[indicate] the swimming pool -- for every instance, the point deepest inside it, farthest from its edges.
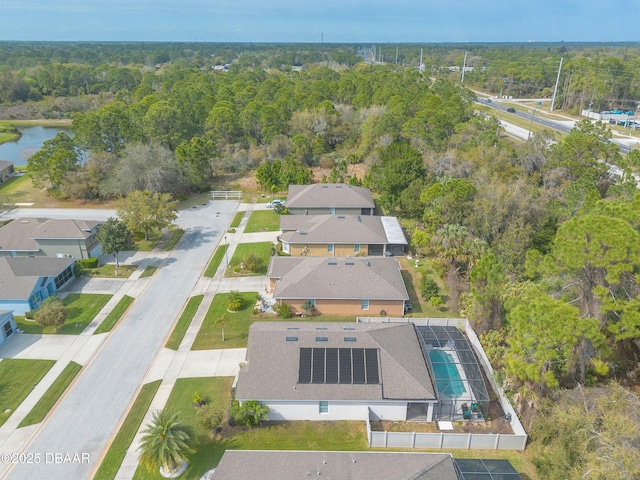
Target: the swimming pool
(448, 379)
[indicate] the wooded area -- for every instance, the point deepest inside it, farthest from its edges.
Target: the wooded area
(538, 242)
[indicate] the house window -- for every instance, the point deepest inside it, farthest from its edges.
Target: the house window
(364, 304)
(330, 248)
(285, 247)
(8, 329)
(356, 248)
(324, 406)
(332, 211)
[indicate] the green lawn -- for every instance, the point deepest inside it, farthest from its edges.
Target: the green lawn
(109, 271)
(114, 315)
(183, 322)
(237, 329)
(142, 245)
(270, 436)
(17, 379)
(412, 277)
(208, 451)
(49, 399)
(118, 449)
(263, 221)
(243, 250)
(148, 271)
(176, 235)
(81, 309)
(237, 218)
(6, 136)
(215, 260)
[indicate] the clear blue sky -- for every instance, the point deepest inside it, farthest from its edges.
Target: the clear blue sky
(306, 20)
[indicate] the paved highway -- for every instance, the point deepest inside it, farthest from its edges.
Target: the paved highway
(90, 412)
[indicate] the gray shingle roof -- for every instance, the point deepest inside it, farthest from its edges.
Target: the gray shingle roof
(295, 465)
(4, 164)
(371, 278)
(364, 229)
(329, 195)
(22, 233)
(403, 370)
(18, 275)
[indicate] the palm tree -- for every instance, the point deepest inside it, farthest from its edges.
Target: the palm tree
(235, 301)
(222, 322)
(166, 443)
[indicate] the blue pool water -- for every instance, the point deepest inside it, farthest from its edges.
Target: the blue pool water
(448, 379)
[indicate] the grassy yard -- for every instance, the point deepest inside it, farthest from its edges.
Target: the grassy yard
(269, 436)
(148, 271)
(243, 250)
(114, 315)
(115, 455)
(17, 379)
(263, 221)
(237, 329)
(183, 322)
(49, 399)
(237, 218)
(81, 309)
(108, 271)
(142, 245)
(208, 451)
(215, 260)
(412, 276)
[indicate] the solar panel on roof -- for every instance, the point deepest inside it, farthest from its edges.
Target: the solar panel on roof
(332, 365)
(371, 360)
(345, 365)
(318, 365)
(304, 368)
(358, 365)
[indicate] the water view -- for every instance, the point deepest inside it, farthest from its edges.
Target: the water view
(30, 142)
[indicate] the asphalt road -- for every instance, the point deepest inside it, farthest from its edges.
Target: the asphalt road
(90, 412)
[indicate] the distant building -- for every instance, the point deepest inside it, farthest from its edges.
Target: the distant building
(329, 199)
(6, 170)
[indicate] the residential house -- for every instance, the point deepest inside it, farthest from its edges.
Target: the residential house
(336, 371)
(339, 286)
(6, 170)
(294, 465)
(7, 325)
(26, 281)
(329, 199)
(341, 235)
(61, 238)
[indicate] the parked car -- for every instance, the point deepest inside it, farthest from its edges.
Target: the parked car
(273, 203)
(511, 110)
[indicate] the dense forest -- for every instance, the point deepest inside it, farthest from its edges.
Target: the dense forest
(538, 243)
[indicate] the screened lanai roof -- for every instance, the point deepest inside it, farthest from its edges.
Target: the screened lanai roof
(479, 469)
(455, 370)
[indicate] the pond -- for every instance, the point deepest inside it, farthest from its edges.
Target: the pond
(29, 143)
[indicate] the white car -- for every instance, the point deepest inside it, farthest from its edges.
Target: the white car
(273, 203)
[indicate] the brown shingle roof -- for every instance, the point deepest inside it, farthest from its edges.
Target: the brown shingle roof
(403, 370)
(329, 195)
(371, 278)
(295, 465)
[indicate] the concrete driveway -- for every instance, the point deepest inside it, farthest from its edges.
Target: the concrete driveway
(90, 412)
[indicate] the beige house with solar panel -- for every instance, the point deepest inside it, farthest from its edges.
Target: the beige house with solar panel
(336, 371)
(329, 199)
(339, 286)
(43, 237)
(341, 235)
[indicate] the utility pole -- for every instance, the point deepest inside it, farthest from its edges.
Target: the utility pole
(396, 54)
(555, 90)
(464, 65)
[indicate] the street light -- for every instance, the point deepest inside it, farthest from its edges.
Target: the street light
(533, 114)
(226, 256)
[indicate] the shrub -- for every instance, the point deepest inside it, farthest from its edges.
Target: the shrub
(52, 312)
(254, 263)
(88, 263)
(235, 302)
(436, 301)
(249, 414)
(284, 310)
(429, 288)
(210, 416)
(308, 307)
(30, 315)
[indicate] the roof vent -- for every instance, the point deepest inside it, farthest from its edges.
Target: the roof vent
(291, 339)
(325, 186)
(322, 339)
(338, 186)
(368, 263)
(340, 216)
(349, 263)
(359, 219)
(349, 339)
(332, 263)
(302, 232)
